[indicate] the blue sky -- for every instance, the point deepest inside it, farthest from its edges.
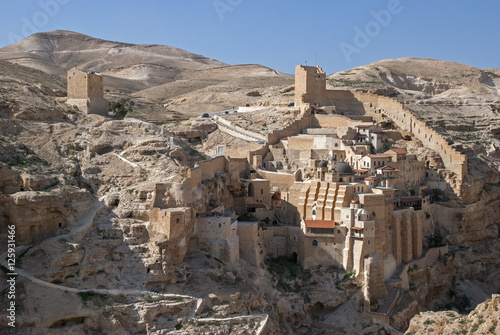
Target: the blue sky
(337, 35)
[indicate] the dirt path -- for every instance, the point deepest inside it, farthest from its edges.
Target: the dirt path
(82, 226)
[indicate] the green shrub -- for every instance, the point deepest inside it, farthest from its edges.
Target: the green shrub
(121, 107)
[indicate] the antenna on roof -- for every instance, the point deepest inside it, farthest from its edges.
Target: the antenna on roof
(306, 63)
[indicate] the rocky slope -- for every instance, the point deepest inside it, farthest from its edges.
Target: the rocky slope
(485, 319)
(57, 161)
(57, 51)
(458, 101)
(168, 83)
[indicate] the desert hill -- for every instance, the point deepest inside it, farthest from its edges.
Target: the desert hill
(57, 51)
(55, 163)
(423, 77)
(153, 74)
(459, 101)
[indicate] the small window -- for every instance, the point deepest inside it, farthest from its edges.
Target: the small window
(315, 243)
(261, 191)
(220, 225)
(368, 241)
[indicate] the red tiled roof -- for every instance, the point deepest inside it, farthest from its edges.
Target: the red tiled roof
(399, 151)
(256, 206)
(356, 228)
(319, 223)
(379, 156)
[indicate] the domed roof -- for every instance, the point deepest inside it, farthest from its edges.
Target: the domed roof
(343, 168)
(323, 164)
(355, 201)
(276, 196)
(361, 211)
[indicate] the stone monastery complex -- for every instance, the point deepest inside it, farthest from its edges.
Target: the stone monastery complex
(330, 189)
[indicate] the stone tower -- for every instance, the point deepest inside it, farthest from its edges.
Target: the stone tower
(310, 84)
(86, 91)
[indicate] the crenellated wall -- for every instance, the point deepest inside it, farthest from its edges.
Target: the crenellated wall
(310, 89)
(452, 159)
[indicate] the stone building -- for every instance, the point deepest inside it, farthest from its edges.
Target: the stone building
(319, 194)
(217, 235)
(251, 242)
(86, 91)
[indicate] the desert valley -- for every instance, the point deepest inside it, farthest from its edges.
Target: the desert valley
(151, 190)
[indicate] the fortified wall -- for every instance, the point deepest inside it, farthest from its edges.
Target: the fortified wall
(376, 104)
(258, 153)
(310, 89)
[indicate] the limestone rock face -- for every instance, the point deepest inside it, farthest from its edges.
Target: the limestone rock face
(10, 180)
(38, 215)
(483, 320)
(37, 182)
(195, 129)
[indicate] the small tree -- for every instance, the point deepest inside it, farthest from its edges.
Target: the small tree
(121, 107)
(437, 195)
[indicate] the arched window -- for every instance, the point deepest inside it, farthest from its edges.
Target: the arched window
(314, 212)
(315, 243)
(261, 191)
(251, 190)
